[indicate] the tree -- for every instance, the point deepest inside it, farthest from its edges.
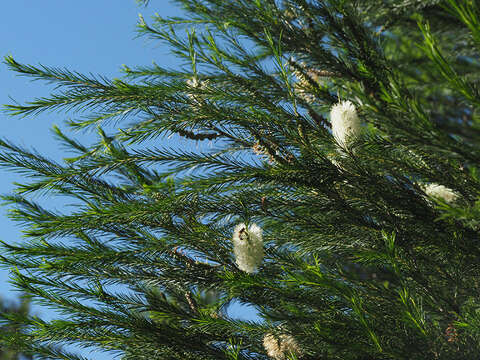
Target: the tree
(12, 311)
(334, 187)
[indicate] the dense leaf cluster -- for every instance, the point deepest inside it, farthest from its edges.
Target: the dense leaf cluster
(359, 262)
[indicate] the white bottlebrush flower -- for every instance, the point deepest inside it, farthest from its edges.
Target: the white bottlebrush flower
(196, 84)
(248, 247)
(345, 122)
(193, 82)
(279, 347)
(441, 192)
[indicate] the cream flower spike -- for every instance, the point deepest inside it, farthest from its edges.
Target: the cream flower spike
(345, 122)
(441, 192)
(279, 347)
(248, 247)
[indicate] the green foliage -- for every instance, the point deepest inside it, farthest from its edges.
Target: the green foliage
(12, 313)
(360, 262)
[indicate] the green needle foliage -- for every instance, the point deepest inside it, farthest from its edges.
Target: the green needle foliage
(12, 315)
(371, 247)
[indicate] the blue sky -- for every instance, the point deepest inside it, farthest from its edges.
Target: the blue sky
(88, 36)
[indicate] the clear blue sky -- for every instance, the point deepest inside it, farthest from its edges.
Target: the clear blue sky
(88, 36)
